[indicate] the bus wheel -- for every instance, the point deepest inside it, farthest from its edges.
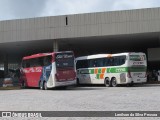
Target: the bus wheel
(41, 85)
(114, 82)
(45, 86)
(107, 82)
(130, 84)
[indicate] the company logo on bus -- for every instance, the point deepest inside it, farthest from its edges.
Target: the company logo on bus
(64, 56)
(138, 63)
(120, 70)
(32, 70)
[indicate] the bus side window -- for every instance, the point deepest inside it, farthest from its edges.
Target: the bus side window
(92, 63)
(106, 62)
(111, 61)
(116, 61)
(95, 63)
(78, 65)
(82, 64)
(122, 60)
(100, 62)
(27, 64)
(40, 60)
(47, 60)
(34, 62)
(85, 63)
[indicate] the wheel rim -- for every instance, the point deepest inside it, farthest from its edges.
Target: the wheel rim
(107, 82)
(114, 82)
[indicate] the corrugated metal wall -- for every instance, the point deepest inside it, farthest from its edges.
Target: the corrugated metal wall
(81, 25)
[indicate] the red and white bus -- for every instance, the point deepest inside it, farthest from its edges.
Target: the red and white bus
(48, 70)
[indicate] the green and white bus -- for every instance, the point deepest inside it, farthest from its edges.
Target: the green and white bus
(112, 69)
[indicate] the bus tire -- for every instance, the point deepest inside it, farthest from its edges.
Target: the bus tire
(130, 84)
(41, 86)
(45, 86)
(107, 82)
(114, 82)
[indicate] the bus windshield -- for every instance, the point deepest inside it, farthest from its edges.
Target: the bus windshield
(137, 61)
(64, 60)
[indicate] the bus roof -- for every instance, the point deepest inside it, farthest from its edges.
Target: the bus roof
(37, 55)
(106, 55)
(43, 54)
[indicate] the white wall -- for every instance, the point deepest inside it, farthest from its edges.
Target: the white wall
(81, 25)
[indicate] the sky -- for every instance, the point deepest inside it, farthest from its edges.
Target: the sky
(18, 9)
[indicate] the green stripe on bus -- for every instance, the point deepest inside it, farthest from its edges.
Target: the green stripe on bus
(99, 70)
(97, 76)
(91, 71)
(117, 70)
(137, 69)
(114, 70)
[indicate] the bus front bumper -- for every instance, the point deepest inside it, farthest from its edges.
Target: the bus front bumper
(65, 83)
(136, 80)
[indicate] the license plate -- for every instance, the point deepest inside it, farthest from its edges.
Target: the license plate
(138, 79)
(137, 74)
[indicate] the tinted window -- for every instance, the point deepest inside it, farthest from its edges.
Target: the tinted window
(37, 62)
(101, 62)
(92, 63)
(47, 60)
(34, 62)
(82, 64)
(26, 64)
(119, 60)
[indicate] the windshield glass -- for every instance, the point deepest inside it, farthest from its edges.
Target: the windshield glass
(64, 60)
(138, 61)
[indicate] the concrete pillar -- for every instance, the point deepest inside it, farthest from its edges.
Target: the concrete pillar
(55, 46)
(5, 65)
